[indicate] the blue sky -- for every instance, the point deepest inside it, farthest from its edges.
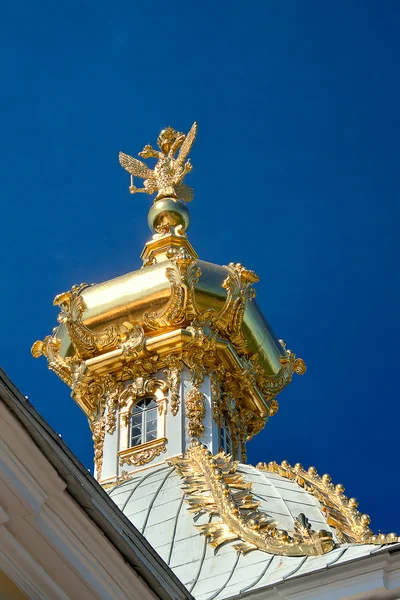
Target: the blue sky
(295, 176)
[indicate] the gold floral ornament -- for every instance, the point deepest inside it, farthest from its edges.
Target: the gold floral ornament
(212, 485)
(350, 525)
(167, 176)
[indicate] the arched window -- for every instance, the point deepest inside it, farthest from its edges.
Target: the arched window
(225, 437)
(143, 422)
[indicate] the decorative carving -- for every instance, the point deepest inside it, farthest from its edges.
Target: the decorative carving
(50, 348)
(144, 366)
(239, 292)
(182, 273)
(213, 485)
(85, 342)
(202, 349)
(270, 386)
(90, 390)
(98, 434)
(114, 389)
(142, 454)
(173, 374)
(168, 174)
(140, 387)
(195, 411)
(216, 397)
(134, 344)
(351, 526)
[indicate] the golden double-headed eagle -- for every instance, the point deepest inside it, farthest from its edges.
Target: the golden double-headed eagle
(167, 176)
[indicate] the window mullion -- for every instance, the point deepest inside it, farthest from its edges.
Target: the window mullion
(144, 433)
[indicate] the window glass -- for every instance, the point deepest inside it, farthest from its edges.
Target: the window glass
(225, 437)
(143, 422)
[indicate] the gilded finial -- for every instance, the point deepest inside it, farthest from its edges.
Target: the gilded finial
(167, 176)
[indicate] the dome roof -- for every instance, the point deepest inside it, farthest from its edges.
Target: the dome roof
(155, 503)
(130, 297)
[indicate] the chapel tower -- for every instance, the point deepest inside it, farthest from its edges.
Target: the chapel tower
(173, 352)
(176, 369)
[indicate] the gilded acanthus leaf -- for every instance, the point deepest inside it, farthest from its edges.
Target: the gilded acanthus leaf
(212, 485)
(182, 273)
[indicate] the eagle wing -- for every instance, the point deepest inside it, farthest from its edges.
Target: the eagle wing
(187, 144)
(134, 166)
(184, 192)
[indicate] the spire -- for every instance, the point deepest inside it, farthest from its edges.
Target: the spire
(174, 352)
(168, 216)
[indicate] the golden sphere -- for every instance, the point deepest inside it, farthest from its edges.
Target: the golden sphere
(365, 520)
(339, 489)
(168, 211)
(391, 538)
(284, 464)
(312, 471)
(298, 467)
(353, 503)
(326, 478)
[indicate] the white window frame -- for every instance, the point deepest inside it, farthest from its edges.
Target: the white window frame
(143, 424)
(225, 437)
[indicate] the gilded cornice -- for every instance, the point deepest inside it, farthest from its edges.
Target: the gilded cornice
(212, 485)
(198, 346)
(350, 525)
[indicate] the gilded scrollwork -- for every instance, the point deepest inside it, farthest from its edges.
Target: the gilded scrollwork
(134, 344)
(50, 348)
(144, 366)
(86, 343)
(350, 525)
(239, 288)
(143, 386)
(270, 386)
(142, 454)
(213, 485)
(182, 273)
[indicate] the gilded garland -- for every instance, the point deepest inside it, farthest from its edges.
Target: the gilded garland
(350, 525)
(212, 485)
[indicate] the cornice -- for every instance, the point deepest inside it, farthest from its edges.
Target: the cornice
(93, 501)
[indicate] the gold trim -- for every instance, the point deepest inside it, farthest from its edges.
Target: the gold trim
(351, 526)
(173, 374)
(212, 485)
(142, 454)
